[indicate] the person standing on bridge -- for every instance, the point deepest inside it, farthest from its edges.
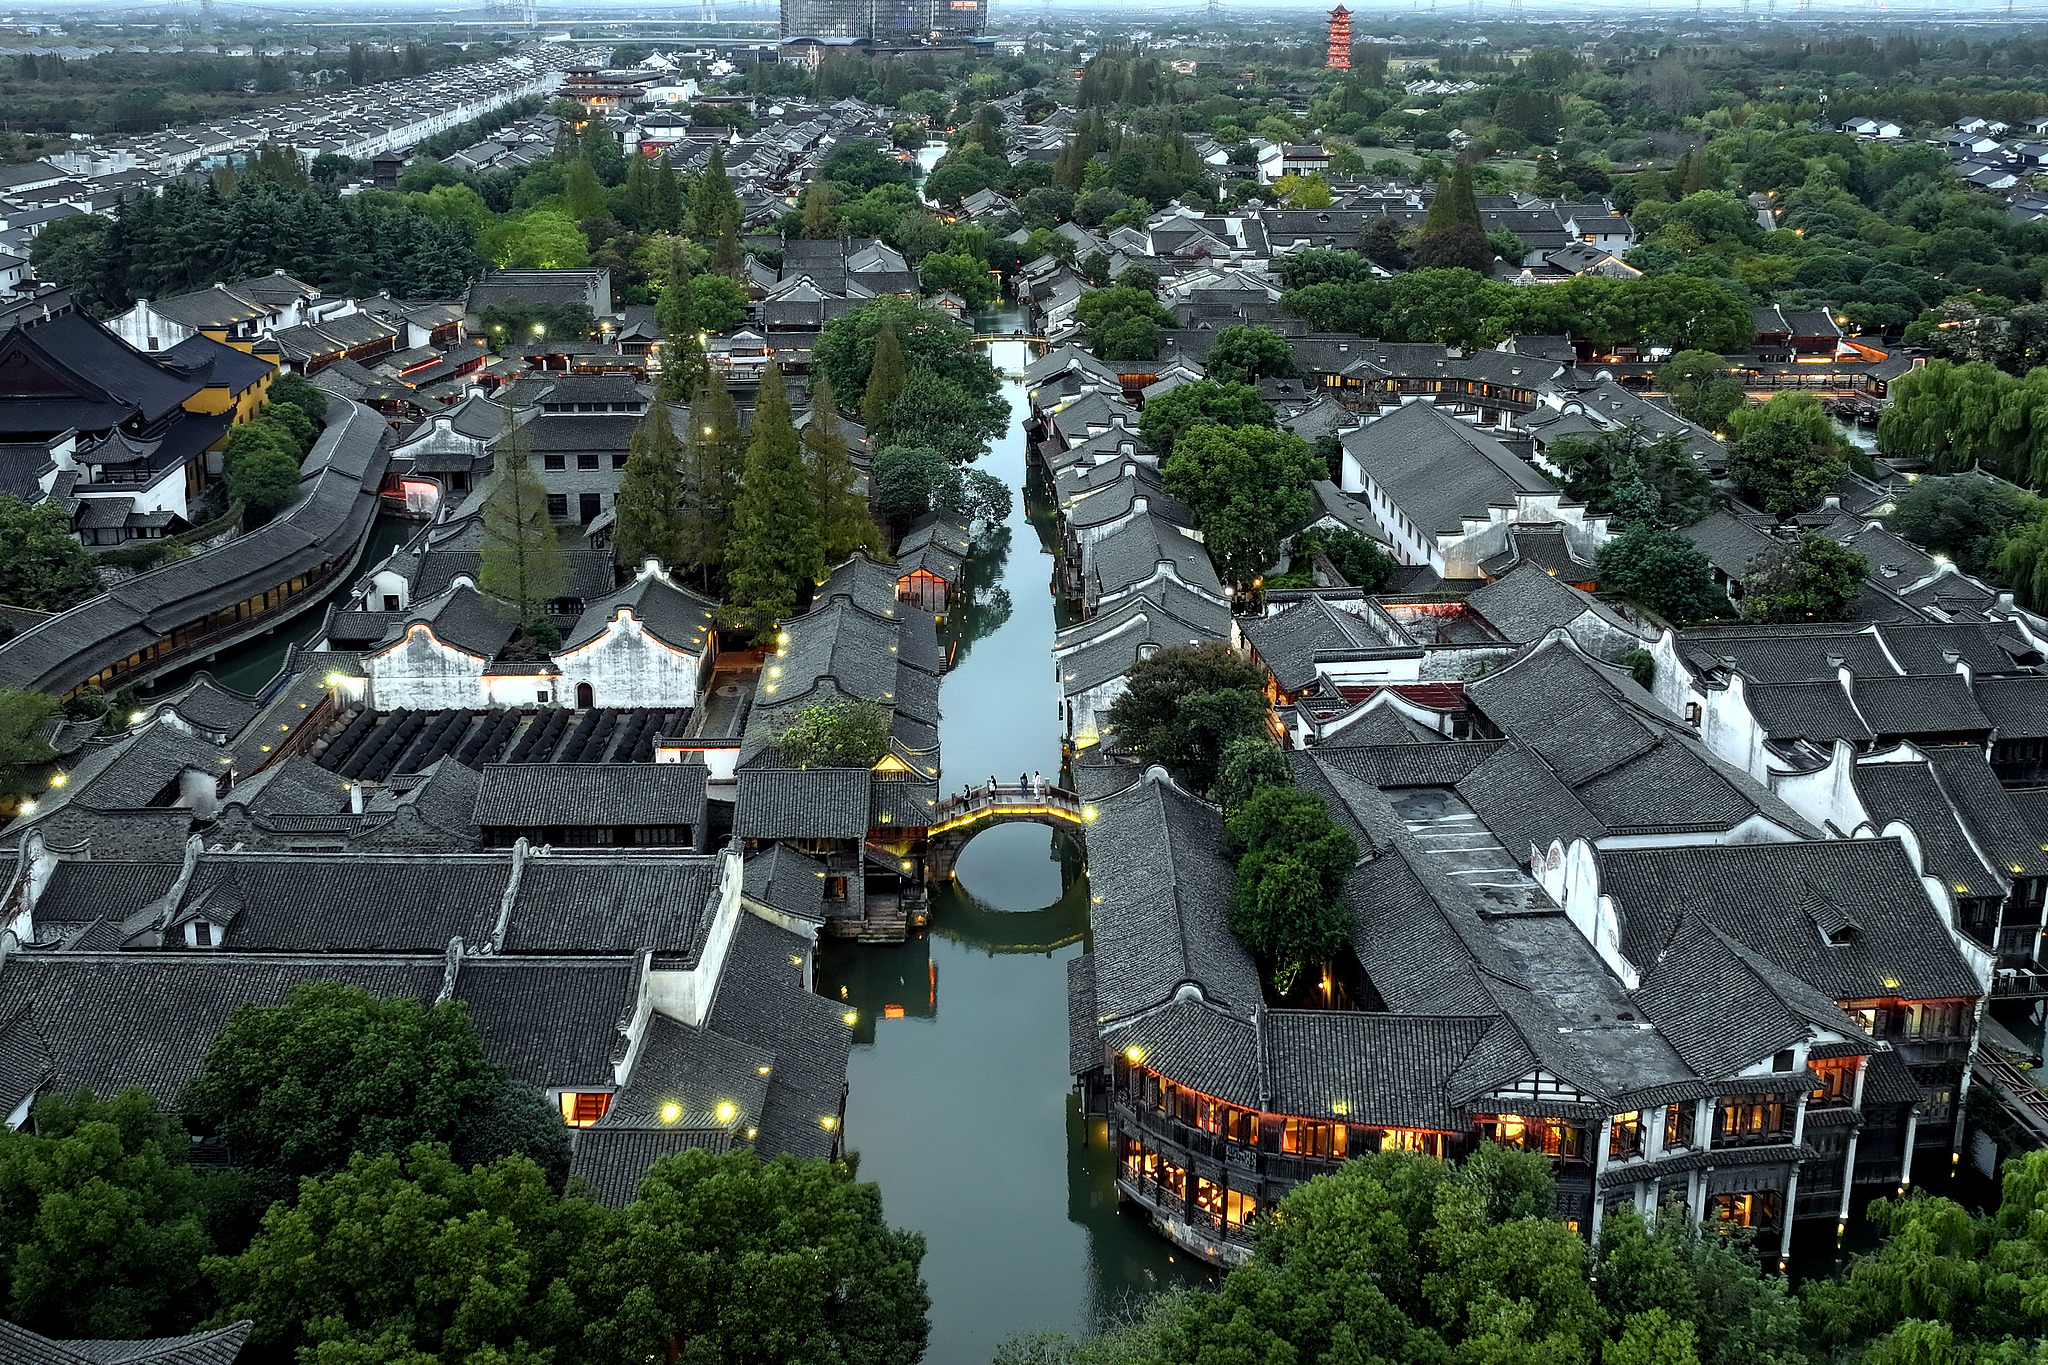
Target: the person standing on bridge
(1023, 784)
(1038, 785)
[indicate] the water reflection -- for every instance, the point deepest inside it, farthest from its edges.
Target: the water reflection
(961, 1104)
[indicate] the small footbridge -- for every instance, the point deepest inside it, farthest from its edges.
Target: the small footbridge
(957, 819)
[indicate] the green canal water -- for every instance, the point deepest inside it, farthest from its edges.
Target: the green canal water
(961, 1106)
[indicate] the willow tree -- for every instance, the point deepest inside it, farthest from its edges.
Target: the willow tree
(650, 502)
(844, 524)
(775, 551)
(521, 562)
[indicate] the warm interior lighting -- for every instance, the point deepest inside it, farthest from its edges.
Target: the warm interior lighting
(892, 1012)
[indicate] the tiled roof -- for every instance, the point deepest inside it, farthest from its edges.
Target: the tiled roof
(1376, 1069)
(762, 1001)
(801, 803)
(783, 879)
(1199, 1046)
(529, 795)
(553, 1021)
(1819, 711)
(1288, 641)
(1758, 894)
(600, 904)
(1439, 470)
(19, 1346)
(613, 1161)
(1155, 859)
(1935, 704)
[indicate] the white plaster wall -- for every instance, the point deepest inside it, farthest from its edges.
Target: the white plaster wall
(627, 667)
(421, 673)
(685, 996)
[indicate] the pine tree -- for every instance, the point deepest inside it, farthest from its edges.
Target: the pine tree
(522, 565)
(582, 191)
(843, 520)
(775, 552)
(1454, 203)
(683, 363)
(821, 211)
(640, 191)
(714, 205)
(650, 502)
(885, 381)
(711, 470)
(668, 196)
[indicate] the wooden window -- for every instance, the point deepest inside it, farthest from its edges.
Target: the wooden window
(1745, 1120)
(1757, 1210)
(581, 1108)
(1678, 1123)
(1626, 1138)
(1304, 1137)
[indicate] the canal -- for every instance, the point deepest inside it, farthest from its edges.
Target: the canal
(250, 666)
(961, 1106)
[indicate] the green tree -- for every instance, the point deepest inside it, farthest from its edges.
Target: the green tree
(985, 497)
(650, 500)
(885, 377)
(731, 1258)
(960, 274)
(717, 302)
(844, 523)
(297, 1088)
(296, 389)
(1123, 322)
(1361, 559)
(1454, 203)
(685, 368)
(1621, 474)
(911, 480)
(1659, 1277)
(820, 211)
(712, 460)
(23, 751)
(1292, 862)
(264, 480)
(775, 552)
(846, 734)
(931, 410)
(1154, 715)
(1810, 579)
(1205, 402)
(583, 196)
(522, 564)
(1245, 355)
(409, 1257)
(100, 1220)
(1786, 454)
(1249, 763)
(544, 238)
(1661, 571)
(1247, 486)
(1963, 516)
(1702, 387)
(845, 353)
(42, 565)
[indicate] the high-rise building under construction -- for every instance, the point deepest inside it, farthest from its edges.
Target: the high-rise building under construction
(883, 20)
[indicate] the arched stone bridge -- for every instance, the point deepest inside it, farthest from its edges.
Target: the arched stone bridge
(957, 819)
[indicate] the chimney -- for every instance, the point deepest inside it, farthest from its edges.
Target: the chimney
(355, 798)
(1831, 503)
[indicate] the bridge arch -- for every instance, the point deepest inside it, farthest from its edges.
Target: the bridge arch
(958, 819)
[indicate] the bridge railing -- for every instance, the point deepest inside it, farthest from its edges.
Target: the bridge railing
(1007, 796)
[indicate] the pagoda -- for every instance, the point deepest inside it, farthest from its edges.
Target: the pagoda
(1340, 39)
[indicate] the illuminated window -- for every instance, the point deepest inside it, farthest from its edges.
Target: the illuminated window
(1746, 1119)
(1678, 1120)
(1837, 1080)
(1305, 1138)
(581, 1108)
(1756, 1210)
(1626, 1139)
